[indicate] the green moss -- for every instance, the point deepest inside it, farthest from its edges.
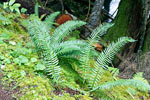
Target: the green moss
(65, 96)
(34, 87)
(146, 46)
(121, 22)
(17, 53)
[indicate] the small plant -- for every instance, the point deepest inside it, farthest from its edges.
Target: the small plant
(4, 20)
(52, 48)
(12, 6)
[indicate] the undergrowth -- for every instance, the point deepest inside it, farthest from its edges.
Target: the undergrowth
(48, 66)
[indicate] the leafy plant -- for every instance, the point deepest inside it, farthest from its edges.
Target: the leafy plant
(105, 58)
(54, 50)
(52, 47)
(12, 6)
(4, 20)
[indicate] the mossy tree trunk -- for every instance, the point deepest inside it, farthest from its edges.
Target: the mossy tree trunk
(133, 20)
(130, 21)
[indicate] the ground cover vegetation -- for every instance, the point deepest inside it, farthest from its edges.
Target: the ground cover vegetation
(40, 63)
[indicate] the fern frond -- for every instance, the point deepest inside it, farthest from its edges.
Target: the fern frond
(108, 54)
(51, 61)
(65, 29)
(69, 46)
(99, 31)
(122, 82)
(139, 76)
(106, 57)
(49, 21)
(85, 61)
(40, 36)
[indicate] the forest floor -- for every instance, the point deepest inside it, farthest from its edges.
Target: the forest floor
(5, 94)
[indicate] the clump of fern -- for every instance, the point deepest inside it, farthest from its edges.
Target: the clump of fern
(94, 75)
(53, 47)
(54, 51)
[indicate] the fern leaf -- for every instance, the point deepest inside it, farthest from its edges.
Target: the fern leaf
(49, 21)
(65, 29)
(106, 57)
(85, 67)
(97, 32)
(40, 36)
(100, 31)
(122, 82)
(69, 46)
(108, 54)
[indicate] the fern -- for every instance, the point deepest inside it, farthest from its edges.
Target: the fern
(69, 46)
(64, 30)
(50, 49)
(95, 35)
(106, 57)
(50, 19)
(40, 36)
(99, 31)
(122, 82)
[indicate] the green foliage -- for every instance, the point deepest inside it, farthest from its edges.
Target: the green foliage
(64, 30)
(130, 82)
(41, 39)
(71, 63)
(50, 19)
(36, 8)
(105, 58)
(49, 47)
(4, 20)
(93, 38)
(12, 6)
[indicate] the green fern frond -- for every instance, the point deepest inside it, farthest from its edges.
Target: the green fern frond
(85, 61)
(40, 36)
(99, 31)
(53, 69)
(65, 29)
(106, 57)
(122, 82)
(108, 54)
(139, 76)
(69, 46)
(49, 21)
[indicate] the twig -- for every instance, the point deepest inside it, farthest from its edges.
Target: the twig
(88, 13)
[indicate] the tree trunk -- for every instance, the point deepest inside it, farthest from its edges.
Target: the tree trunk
(94, 19)
(133, 20)
(130, 21)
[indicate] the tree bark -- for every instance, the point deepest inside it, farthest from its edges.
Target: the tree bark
(94, 19)
(130, 21)
(133, 20)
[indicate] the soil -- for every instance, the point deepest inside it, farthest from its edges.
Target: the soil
(5, 94)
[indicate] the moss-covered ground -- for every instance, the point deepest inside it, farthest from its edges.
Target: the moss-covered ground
(21, 68)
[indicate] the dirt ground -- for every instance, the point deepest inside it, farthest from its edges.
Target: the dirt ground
(5, 94)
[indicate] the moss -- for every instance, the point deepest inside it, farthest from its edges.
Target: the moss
(121, 22)
(83, 97)
(65, 96)
(34, 87)
(18, 74)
